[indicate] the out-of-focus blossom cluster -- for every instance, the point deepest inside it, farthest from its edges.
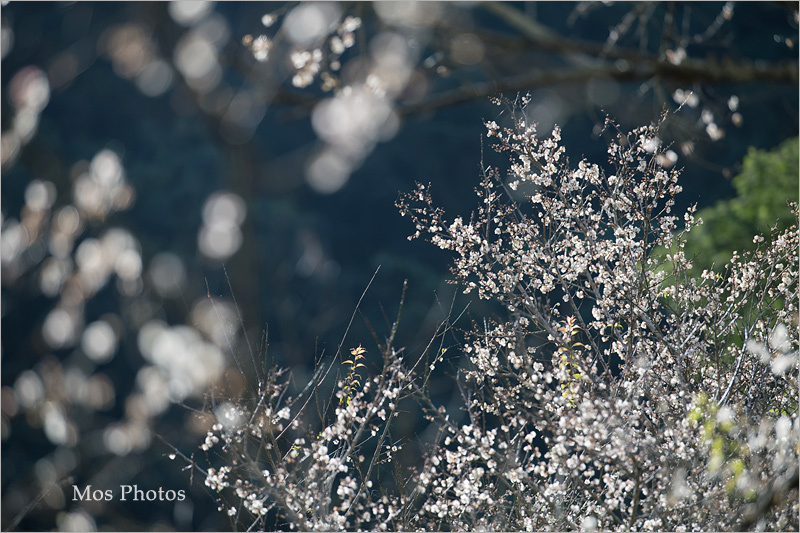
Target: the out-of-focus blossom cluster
(709, 118)
(30, 92)
(101, 188)
(220, 236)
(361, 111)
(69, 252)
(134, 56)
(195, 64)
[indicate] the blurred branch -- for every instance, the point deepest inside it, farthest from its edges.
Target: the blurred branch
(538, 34)
(587, 61)
(690, 71)
(42, 494)
(519, 20)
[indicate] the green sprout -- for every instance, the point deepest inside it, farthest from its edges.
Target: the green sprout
(353, 380)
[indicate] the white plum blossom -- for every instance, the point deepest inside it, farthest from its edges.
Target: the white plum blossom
(621, 390)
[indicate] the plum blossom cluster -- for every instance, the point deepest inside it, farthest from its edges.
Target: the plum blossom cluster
(617, 390)
(621, 391)
(314, 461)
(319, 35)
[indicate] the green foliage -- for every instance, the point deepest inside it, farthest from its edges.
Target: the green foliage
(769, 179)
(570, 371)
(353, 380)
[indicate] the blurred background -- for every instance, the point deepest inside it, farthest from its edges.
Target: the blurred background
(178, 177)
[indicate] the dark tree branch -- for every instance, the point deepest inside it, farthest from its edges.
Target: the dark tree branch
(691, 71)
